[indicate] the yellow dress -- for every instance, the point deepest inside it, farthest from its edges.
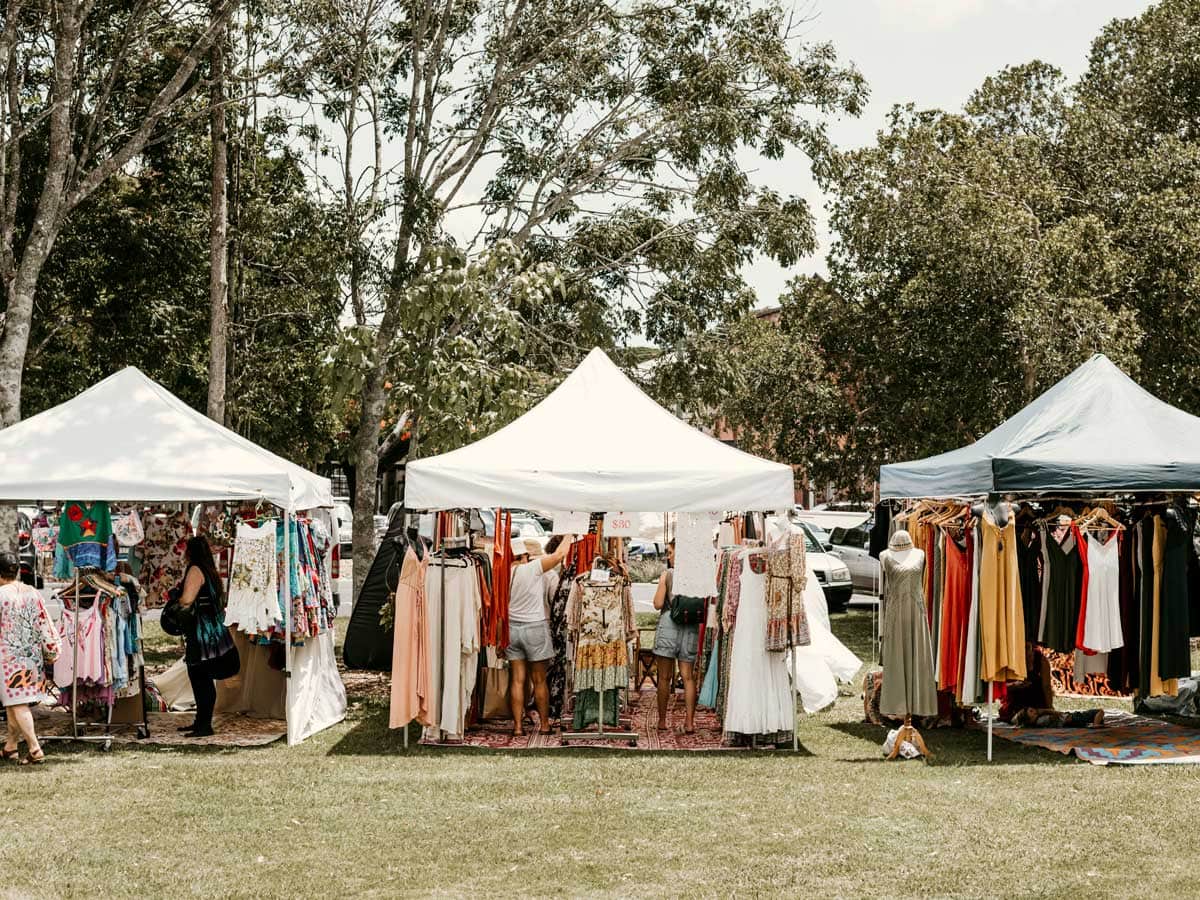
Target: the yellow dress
(1001, 612)
(1158, 687)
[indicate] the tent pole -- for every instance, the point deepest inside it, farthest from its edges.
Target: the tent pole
(287, 607)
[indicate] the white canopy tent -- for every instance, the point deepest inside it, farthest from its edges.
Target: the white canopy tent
(128, 438)
(597, 443)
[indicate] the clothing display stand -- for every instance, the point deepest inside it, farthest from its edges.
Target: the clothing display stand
(450, 543)
(909, 733)
(78, 729)
(600, 733)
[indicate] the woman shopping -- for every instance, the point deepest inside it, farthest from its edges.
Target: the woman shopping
(210, 653)
(28, 643)
(674, 641)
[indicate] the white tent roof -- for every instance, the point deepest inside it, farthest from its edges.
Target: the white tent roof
(129, 438)
(597, 443)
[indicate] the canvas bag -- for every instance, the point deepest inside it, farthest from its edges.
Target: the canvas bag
(127, 528)
(45, 538)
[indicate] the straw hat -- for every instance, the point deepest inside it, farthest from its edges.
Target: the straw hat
(901, 540)
(533, 548)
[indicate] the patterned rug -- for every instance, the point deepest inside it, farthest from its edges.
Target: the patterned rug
(641, 716)
(1123, 738)
(230, 730)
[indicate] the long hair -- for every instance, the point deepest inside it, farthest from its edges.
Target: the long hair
(199, 554)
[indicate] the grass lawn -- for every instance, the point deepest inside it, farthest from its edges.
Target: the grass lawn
(349, 812)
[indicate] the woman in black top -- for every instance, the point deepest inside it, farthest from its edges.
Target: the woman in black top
(210, 653)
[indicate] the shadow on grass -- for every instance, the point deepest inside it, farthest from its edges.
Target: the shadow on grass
(957, 747)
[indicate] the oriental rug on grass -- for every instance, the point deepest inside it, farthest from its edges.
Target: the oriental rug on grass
(641, 716)
(229, 730)
(1123, 739)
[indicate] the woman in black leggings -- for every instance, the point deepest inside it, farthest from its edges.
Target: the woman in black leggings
(210, 653)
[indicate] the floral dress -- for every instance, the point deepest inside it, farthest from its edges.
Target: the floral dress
(164, 548)
(28, 641)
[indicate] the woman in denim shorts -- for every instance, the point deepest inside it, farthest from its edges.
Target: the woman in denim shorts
(672, 643)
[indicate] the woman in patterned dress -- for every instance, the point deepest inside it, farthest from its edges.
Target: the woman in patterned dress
(28, 642)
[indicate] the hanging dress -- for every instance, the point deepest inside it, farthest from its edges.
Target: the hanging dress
(410, 646)
(1174, 654)
(956, 610)
(1001, 612)
(759, 700)
(253, 605)
(1063, 586)
(909, 686)
(1102, 627)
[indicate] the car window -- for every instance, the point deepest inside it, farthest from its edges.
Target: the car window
(850, 537)
(811, 545)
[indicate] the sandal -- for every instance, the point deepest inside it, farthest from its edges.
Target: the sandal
(35, 757)
(14, 753)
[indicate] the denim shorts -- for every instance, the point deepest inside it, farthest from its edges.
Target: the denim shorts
(529, 641)
(673, 641)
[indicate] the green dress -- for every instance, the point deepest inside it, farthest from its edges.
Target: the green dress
(909, 687)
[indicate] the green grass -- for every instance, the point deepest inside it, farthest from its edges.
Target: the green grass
(350, 812)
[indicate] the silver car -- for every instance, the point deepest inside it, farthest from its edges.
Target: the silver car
(852, 545)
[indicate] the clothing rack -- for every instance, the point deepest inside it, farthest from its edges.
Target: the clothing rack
(445, 560)
(78, 728)
(600, 734)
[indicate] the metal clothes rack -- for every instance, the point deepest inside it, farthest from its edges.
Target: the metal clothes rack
(444, 560)
(78, 728)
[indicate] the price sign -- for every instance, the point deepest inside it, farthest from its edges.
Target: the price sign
(571, 523)
(620, 524)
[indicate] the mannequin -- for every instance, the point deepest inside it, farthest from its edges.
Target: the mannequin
(909, 687)
(998, 509)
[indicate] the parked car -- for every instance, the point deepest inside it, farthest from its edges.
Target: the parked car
(852, 544)
(831, 571)
(345, 525)
(642, 549)
(528, 527)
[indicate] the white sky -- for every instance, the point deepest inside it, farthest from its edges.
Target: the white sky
(933, 53)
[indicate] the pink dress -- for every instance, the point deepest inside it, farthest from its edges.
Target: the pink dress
(90, 652)
(28, 641)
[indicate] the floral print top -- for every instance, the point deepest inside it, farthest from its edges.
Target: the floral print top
(28, 642)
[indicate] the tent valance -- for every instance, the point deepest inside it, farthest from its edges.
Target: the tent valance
(1097, 430)
(129, 438)
(597, 443)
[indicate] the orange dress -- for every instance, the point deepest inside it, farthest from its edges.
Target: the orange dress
(1001, 612)
(410, 647)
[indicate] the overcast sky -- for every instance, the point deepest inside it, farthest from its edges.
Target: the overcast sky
(933, 53)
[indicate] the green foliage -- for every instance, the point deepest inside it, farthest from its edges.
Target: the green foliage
(982, 255)
(456, 364)
(128, 285)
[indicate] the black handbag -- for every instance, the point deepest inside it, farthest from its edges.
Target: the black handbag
(684, 610)
(177, 621)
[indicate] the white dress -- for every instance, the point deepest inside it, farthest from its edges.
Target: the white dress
(759, 700)
(253, 605)
(826, 661)
(1102, 624)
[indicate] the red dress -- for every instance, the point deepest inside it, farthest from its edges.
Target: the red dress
(956, 610)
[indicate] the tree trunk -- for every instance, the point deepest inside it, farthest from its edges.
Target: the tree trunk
(218, 232)
(366, 464)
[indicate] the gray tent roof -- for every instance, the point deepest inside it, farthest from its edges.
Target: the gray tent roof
(1096, 430)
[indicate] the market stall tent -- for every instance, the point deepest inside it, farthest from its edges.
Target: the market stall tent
(128, 438)
(597, 443)
(1097, 430)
